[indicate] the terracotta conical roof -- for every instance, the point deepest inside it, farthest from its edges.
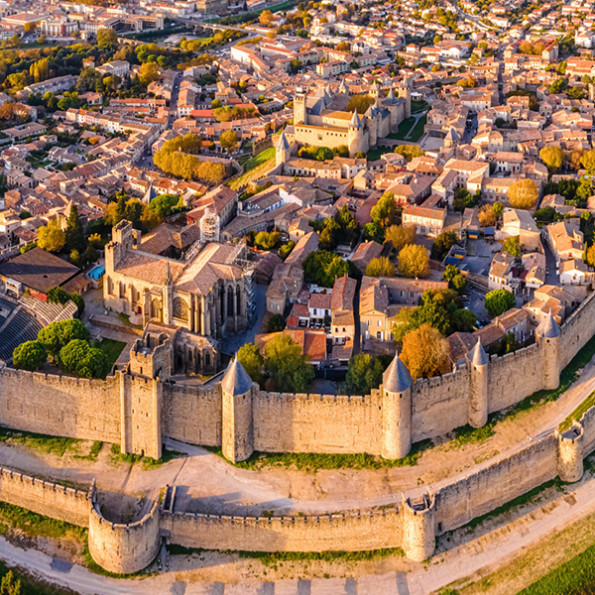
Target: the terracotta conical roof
(396, 378)
(236, 380)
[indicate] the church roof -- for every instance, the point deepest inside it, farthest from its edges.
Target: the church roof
(396, 378)
(236, 380)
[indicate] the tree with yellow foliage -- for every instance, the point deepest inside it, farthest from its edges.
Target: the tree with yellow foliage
(425, 352)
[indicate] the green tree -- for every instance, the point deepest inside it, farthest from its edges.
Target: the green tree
(266, 240)
(51, 237)
(75, 237)
(251, 359)
(58, 295)
(322, 267)
(163, 204)
(285, 250)
(58, 334)
(512, 246)
(499, 301)
(276, 323)
(380, 267)
(455, 280)
(364, 373)
(442, 244)
(413, 262)
(30, 355)
(288, 369)
(385, 211)
(78, 357)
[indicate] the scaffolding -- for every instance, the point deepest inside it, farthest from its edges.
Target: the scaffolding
(240, 257)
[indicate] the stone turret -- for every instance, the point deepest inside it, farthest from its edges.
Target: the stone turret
(404, 91)
(237, 436)
(547, 336)
(355, 135)
(419, 530)
(372, 126)
(343, 88)
(479, 380)
(571, 453)
(396, 410)
(283, 150)
(299, 109)
(374, 90)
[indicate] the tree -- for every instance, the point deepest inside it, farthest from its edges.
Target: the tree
(266, 18)
(148, 72)
(51, 237)
(400, 236)
(512, 246)
(252, 361)
(30, 355)
(409, 151)
(75, 237)
(425, 352)
(322, 267)
(359, 103)
(107, 39)
(58, 295)
(29, 27)
(267, 240)
(364, 373)
(229, 140)
(288, 369)
(380, 267)
(276, 323)
(10, 585)
(590, 255)
(499, 301)
(414, 261)
(455, 280)
(442, 244)
(163, 204)
(385, 211)
(552, 157)
(587, 160)
(78, 357)
(285, 250)
(487, 217)
(498, 209)
(523, 194)
(58, 334)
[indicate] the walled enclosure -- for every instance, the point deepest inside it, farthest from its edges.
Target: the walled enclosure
(140, 406)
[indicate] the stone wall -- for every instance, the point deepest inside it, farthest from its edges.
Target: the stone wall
(317, 423)
(337, 532)
(60, 405)
(44, 497)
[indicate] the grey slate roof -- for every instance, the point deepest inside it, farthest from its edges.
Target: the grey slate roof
(478, 355)
(236, 380)
(396, 378)
(549, 327)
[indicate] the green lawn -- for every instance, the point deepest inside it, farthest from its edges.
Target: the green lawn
(112, 349)
(404, 128)
(578, 412)
(406, 132)
(255, 167)
(418, 130)
(576, 577)
(375, 154)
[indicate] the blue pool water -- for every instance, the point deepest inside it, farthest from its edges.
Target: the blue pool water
(97, 272)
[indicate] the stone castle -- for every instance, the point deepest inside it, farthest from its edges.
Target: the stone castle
(140, 406)
(321, 120)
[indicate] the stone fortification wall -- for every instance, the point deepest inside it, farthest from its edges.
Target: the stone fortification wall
(192, 414)
(60, 405)
(44, 497)
(577, 330)
(439, 404)
(515, 376)
(462, 500)
(317, 423)
(337, 532)
(588, 423)
(124, 548)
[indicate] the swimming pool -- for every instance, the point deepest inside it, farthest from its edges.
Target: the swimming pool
(97, 272)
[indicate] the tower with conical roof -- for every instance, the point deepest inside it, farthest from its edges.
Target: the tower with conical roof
(282, 150)
(479, 382)
(372, 121)
(237, 433)
(396, 410)
(547, 335)
(355, 136)
(404, 91)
